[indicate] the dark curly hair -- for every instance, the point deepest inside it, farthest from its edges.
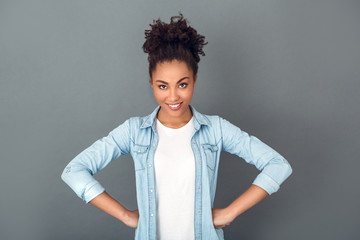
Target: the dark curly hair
(174, 40)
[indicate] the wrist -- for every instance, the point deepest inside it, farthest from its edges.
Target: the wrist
(230, 212)
(124, 215)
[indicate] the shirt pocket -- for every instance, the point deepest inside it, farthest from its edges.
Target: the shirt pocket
(139, 154)
(210, 152)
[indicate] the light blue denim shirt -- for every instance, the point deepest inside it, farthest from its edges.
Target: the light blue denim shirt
(138, 137)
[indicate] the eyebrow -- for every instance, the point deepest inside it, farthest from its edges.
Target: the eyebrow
(176, 82)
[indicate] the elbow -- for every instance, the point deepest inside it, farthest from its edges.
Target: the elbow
(289, 169)
(285, 172)
(279, 170)
(277, 173)
(65, 174)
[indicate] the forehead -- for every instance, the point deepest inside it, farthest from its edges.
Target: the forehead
(171, 70)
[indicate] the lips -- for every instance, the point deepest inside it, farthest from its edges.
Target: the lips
(175, 107)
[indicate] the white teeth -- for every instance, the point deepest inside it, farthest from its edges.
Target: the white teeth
(173, 106)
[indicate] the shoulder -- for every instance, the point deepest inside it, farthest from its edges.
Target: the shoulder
(136, 121)
(211, 120)
(141, 122)
(129, 125)
(217, 121)
(214, 120)
(219, 125)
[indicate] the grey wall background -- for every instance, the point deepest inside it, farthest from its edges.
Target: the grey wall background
(284, 71)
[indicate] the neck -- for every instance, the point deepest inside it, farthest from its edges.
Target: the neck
(174, 122)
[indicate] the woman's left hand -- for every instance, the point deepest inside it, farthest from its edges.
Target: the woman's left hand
(221, 217)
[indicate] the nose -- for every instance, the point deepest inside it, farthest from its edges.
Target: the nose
(173, 95)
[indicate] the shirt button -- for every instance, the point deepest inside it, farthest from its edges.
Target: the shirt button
(154, 144)
(198, 187)
(151, 190)
(198, 161)
(150, 165)
(198, 211)
(193, 142)
(198, 236)
(152, 214)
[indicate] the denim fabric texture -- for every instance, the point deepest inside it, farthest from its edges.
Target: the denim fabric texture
(137, 136)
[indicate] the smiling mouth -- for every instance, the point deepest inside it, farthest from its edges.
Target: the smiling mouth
(174, 106)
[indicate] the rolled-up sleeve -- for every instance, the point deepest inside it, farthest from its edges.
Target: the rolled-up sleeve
(274, 168)
(78, 174)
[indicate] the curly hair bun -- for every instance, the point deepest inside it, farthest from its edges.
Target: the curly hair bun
(177, 34)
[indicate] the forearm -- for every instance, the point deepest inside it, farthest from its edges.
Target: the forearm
(109, 205)
(246, 200)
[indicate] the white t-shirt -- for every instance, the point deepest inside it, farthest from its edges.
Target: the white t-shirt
(174, 165)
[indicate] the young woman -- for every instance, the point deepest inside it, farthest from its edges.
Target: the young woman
(176, 151)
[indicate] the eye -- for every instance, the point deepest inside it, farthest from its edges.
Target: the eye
(183, 85)
(162, 87)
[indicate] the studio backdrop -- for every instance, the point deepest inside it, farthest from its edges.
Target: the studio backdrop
(286, 72)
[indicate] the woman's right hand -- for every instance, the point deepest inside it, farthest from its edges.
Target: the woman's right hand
(132, 218)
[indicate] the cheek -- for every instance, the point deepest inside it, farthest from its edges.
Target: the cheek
(158, 95)
(189, 94)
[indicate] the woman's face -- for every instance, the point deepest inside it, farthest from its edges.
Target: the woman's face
(173, 85)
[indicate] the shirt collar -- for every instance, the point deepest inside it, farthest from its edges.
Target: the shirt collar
(199, 119)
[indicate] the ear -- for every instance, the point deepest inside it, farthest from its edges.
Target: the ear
(150, 82)
(195, 77)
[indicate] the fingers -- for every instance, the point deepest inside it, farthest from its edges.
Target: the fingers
(220, 226)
